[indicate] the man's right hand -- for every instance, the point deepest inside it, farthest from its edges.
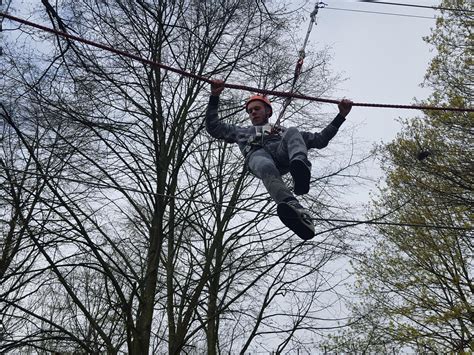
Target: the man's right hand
(345, 107)
(216, 87)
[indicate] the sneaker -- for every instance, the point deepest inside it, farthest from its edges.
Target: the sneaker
(300, 170)
(295, 217)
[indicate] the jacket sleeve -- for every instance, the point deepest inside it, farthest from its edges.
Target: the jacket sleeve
(321, 139)
(215, 127)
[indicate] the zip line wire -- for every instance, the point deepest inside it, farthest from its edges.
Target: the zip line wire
(227, 85)
(379, 13)
(418, 6)
(349, 222)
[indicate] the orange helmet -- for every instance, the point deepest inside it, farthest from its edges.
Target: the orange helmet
(262, 98)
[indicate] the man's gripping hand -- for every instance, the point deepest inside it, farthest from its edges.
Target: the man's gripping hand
(345, 107)
(216, 87)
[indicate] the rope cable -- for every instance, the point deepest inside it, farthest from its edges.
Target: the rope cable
(349, 222)
(227, 85)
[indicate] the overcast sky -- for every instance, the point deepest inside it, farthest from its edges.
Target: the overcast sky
(384, 59)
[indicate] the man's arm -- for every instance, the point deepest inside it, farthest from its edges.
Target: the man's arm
(321, 139)
(214, 126)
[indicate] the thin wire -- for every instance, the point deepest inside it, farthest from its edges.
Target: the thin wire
(418, 6)
(227, 85)
(349, 222)
(380, 13)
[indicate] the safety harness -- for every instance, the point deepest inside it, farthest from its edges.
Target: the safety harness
(262, 135)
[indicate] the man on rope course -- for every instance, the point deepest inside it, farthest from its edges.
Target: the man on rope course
(271, 152)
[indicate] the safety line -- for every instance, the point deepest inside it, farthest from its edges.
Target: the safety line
(349, 222)
(418, 6)
(299, 62)
(379, 13)
(227, 85)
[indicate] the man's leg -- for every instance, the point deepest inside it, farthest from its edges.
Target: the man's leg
(291, 213)
(294, 147)
(261, 164)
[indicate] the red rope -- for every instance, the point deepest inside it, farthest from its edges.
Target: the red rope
(227, 85)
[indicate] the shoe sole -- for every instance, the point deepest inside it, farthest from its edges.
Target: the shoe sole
(301, 176)
(290, 218)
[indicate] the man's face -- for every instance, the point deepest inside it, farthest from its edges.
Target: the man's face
(258, 113)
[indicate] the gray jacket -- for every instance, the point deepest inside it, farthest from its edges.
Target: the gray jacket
(250, 136)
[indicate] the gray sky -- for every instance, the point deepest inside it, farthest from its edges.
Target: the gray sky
(383, 58)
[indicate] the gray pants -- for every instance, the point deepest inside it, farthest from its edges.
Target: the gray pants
(273, 160)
